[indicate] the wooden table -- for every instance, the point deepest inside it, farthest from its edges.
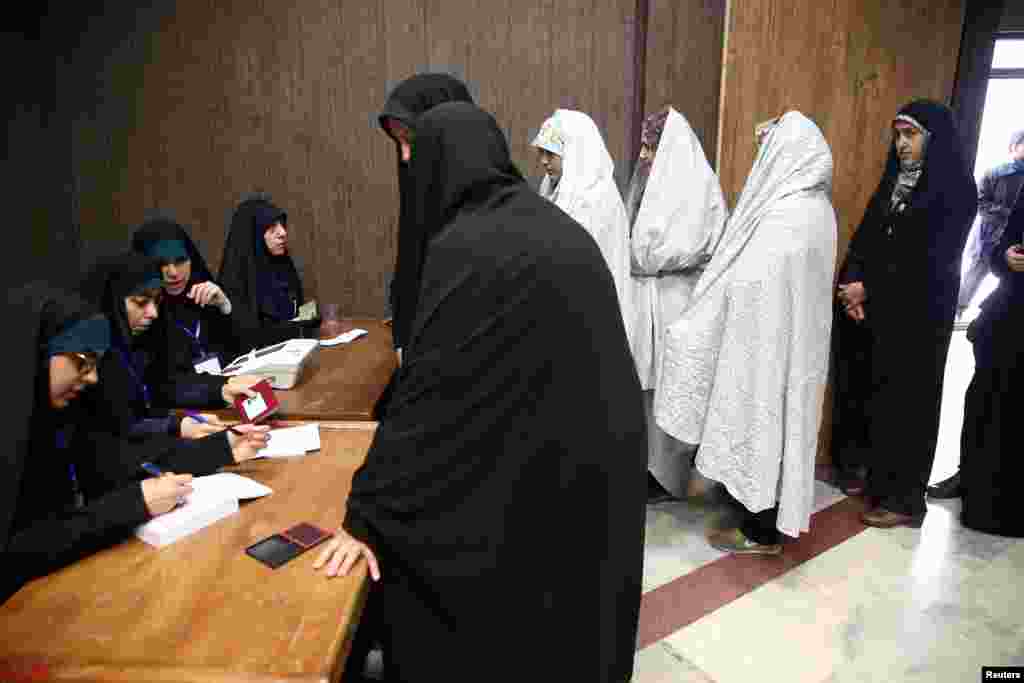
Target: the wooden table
(345, 381)
(200, 609)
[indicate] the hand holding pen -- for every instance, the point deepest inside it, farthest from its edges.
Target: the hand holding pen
(164, 491)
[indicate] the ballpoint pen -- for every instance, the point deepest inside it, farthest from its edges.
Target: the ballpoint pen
(199, 418)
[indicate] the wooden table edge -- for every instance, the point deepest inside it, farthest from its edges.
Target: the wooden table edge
(31, 667)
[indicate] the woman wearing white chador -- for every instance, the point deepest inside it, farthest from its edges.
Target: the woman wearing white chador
(745, 367)
(677, 212)
(585, 189)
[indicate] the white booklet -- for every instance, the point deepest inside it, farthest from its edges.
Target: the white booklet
(213, 498)
(344, 337)
(288, 442)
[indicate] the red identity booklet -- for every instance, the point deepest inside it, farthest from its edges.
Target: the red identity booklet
(261, 405)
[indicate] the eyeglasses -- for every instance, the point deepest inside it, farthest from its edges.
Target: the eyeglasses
(85, 363)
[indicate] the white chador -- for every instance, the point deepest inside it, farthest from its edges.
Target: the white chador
(588, 193)
(679, 216)
(745, 367)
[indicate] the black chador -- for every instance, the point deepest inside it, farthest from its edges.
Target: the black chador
(889, 367)
(504, 492)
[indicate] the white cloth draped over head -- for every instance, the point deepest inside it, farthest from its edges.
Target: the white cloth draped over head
(588, 193)
(680, 220)
(745, 367)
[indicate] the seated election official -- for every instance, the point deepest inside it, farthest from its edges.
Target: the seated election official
(135, 392)
(45, 521)
(201, 334)
(503, 498)
(260, 278)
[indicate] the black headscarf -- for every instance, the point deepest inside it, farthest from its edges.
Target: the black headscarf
(407, 102)
(151, 233)
(249, 273)
(516, 432)
(945, 167)
(116, 277)
(218, 333)
(39, 312)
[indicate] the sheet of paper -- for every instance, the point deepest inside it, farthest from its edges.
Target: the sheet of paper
(344, 338)
(292, 441)
(229, 485)
(210, 366)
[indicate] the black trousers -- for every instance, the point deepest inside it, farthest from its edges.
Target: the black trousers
(760, 527)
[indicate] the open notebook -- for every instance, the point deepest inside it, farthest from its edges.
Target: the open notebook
(213, 498)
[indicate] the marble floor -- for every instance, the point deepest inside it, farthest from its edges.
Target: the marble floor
(845, 602)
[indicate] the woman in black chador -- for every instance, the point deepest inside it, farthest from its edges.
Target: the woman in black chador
(201, 333)
(260, 278)
(991, 463)
(410, 99)
(504, 493)
(46, 519)
(897, 300)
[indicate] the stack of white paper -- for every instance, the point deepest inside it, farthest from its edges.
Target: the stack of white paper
(213, 498)
(292, 441)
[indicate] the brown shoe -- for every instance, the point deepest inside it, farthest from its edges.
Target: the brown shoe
(886, 519)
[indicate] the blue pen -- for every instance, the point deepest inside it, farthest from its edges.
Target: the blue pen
(202, 420)
(150, 468)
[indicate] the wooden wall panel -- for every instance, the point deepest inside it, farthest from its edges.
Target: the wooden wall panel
(684, 63)
(184, 108)
(848, 65)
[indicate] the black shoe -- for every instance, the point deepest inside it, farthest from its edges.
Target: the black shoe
(946, 489)
(656, 493)
(853, 480)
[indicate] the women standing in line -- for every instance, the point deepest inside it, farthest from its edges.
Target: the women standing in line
(677, 214)
(745, 367)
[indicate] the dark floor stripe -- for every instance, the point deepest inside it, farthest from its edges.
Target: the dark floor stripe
(677, 604)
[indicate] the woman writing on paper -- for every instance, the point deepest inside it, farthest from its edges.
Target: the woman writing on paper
(45, 521)
(134, 392)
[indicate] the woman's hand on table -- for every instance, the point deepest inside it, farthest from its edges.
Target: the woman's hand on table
(247, 440)
(238, 386)
(341, 554)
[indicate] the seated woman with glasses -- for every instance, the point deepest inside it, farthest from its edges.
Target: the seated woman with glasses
(46, 521)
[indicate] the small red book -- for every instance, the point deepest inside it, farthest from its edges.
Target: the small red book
(263, 404)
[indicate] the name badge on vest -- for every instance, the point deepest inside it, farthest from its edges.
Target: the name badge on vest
(208, 364)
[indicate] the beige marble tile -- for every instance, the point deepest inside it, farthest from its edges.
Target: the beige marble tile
(875, 608)
(660, 663)
(676, 543)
